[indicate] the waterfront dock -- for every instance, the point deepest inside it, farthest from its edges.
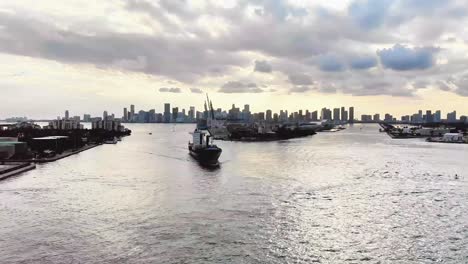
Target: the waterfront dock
(58, 156)
(9, 169)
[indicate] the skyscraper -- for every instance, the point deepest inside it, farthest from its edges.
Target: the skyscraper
(376, 117)
(429, 118)
(132, 112)
(351, 114)
(125, 114)
(269, 116)
(452, 117)
(175, 113)
(167, 113)
(344, 114)
(437, 116)
(104, 116)
(336, 114)
(326, 114)
(246, 113)
(67, 115)
(314, 116)
(192, 113)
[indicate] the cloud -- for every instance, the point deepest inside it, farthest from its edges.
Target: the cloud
(369, 14)
(195, 45)
(300, 89)
(461, 84)
(196, 90)
(170, 90)
(262, 66)
(442, 85)
(363, 62)
(330, 63)
(115, 50)
(421, 84)
(300, 79)
(240, 87)
(402, 58)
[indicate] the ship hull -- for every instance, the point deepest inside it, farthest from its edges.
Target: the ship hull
(208, 156)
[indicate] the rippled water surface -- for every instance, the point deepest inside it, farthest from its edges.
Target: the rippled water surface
(348, 197)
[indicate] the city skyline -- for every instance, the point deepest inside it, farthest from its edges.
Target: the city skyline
(191, 114)
(379, 56)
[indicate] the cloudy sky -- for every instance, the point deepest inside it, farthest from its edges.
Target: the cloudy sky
(394, 56)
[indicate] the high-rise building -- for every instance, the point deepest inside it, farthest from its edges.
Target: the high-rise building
(234, 112)
(344, 114)
(67, 115)
(452, 117)
(376, 117)
(419, 117)
(437, 116)
(269, 116)
(132, 112)
(261, 116)
(105, 116)
(246, 113)
(351, 114)
(175, 113)
(464, 119)
(192, 113)
(336, 114)
(314, 116)
(388, 118)
(366, 118)
(429, 118)
(86, 118)
(325, 114)
(167, 113)
(125, 114)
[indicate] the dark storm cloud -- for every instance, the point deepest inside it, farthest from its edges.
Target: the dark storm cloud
(262, 66)
(402, 58)
(240, 87)
(196, 90)
(170, 90)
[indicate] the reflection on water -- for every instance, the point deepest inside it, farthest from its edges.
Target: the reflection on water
(345, 197)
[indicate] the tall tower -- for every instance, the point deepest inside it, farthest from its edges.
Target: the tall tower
(351, 114)
(132, 112)
(167, 113)
(67, 115)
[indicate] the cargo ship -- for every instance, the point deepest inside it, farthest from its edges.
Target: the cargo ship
(202, 150)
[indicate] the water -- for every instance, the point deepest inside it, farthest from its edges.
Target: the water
(348, 197)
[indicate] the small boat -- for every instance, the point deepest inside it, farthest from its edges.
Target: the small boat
(111, 141)
(150, 133)
(201, 149)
